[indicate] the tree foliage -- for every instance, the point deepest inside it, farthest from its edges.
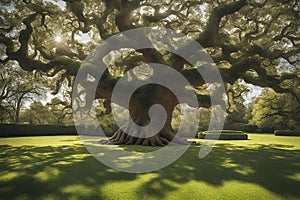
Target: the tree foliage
(272, 111)
(54, 112)
(17, 86)
(37, 113)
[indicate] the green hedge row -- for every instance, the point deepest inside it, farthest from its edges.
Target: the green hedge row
(223, 131)
(286, 133)
(12, 130)
(225, 135)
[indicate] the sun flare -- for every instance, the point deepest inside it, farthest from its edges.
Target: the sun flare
(58, 39)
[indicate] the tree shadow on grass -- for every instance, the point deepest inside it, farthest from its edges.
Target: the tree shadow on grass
(61, 172)
(272, 167)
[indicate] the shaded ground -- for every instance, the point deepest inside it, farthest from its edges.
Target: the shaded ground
(59, 167)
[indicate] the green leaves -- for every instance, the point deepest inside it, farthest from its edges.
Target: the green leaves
(275, 111)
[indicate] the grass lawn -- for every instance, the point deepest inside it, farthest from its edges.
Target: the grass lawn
(59, 167)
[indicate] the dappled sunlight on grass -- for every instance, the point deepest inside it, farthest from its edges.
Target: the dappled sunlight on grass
(127, 189)
(255, 169)
(295, 177)
(78, 190)
(8, 176)
(244, 170)
(48, 174)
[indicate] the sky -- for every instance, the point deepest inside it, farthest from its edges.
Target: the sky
(255, 91)
(60, 3)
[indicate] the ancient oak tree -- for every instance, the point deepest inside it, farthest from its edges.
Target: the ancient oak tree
(247, 39)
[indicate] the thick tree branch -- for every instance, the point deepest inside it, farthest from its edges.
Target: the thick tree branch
(210, 34)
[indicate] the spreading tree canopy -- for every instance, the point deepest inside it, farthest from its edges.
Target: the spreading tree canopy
(16, 87)
(272, 111)
(249, 40)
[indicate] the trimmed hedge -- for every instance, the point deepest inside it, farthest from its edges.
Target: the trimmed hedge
(286, 133)
(223, 131)
(13, 130)
(225, 135)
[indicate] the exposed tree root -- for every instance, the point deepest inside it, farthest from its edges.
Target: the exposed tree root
(164, 137)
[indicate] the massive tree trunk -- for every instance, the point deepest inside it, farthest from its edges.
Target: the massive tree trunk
(139, 112)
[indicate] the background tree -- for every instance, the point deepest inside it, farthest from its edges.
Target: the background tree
(18, 86)
(60, 111)
(273, 111)
(37, 113)
(54, 112)
(7, 78)
(236, 108)
(247, 39)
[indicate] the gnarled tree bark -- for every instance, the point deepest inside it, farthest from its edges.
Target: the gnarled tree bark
(139, 107)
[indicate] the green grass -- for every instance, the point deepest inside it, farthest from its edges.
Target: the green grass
(59, 167)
